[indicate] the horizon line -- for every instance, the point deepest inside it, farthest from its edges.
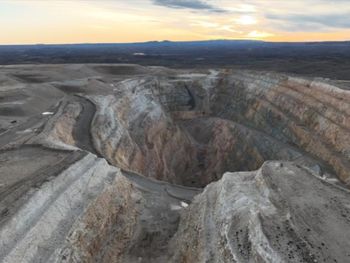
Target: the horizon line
(171, 41)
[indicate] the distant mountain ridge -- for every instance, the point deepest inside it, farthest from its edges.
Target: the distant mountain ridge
(194, 42)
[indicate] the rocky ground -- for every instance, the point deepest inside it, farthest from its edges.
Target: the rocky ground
(124, 163)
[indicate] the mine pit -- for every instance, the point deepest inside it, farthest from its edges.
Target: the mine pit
(124, 163)
(208, 125)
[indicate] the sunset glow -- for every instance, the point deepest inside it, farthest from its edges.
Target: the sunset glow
(31, 22)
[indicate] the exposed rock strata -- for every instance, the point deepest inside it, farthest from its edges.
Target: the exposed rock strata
(311, 115)
(132, 130)
(66, 131)
(42, 222)
(93, 212)
(280, 213)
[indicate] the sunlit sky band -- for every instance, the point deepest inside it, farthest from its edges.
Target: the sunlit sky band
(108, 21)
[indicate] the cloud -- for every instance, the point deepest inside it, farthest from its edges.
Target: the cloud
(246, 20)
(259, 35)
(301, 22)
(189, 4)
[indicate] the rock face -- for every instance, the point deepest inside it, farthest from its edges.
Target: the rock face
(133, 131)
(35, 230)
(280, 213)
(309, 114)
(98, 163)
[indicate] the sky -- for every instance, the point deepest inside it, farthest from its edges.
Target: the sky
(111, 21)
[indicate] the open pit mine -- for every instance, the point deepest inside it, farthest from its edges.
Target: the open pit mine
(124, 163)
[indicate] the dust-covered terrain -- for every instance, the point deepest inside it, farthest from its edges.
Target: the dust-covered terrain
(127, 163)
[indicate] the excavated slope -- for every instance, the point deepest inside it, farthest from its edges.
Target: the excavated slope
(280, 213)
(100, 163)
